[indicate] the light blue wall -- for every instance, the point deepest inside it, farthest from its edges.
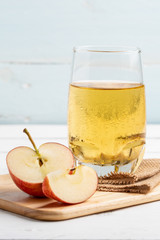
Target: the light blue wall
(36, 41)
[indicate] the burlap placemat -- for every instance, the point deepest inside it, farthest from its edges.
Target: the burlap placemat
(144, 180)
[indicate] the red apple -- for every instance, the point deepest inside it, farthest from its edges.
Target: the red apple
(28, 168)
(71, 186)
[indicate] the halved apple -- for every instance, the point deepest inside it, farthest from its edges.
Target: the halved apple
(28, 168)
(71, 186)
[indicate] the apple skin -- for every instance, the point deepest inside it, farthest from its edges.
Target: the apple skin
(50, 194)
(34, 189)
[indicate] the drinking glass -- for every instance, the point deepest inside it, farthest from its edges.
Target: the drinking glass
(106, 110)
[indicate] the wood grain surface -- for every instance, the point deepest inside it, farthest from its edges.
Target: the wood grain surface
(14, 200)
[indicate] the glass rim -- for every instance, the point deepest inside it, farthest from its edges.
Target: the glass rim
(107, 49)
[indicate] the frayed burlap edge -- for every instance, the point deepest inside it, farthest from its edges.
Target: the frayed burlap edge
(144, 180)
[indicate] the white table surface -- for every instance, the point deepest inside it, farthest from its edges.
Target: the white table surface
(138, 222)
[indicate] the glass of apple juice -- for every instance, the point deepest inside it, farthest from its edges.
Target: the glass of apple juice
(106, 110)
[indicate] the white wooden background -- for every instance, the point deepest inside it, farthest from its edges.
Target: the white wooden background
(36, 41)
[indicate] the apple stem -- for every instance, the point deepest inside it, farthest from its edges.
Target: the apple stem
(72, 171)
(34, 146)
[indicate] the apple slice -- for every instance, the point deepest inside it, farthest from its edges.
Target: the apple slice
(71, 186)
(28, 168)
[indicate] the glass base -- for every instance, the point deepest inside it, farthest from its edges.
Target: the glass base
(104, 170)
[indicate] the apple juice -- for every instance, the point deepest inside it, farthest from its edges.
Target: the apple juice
(106, 122)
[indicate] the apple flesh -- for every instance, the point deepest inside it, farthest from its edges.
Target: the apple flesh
(27, 172)
(71, 186)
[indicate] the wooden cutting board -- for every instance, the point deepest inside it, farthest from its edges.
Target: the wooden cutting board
(14, 200)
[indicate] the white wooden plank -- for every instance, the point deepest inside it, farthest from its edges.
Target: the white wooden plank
(3, 165)
(47, 30)
(131, 223)
(37, 131)
(34, 93)
(55, 131)
(151, 155)
(153, 131)
(8, 144)
(152, 146)
(44, 32)
(39, 93)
